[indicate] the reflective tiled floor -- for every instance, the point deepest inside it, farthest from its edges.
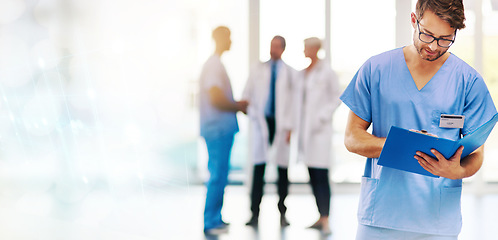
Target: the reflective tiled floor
(176, 213)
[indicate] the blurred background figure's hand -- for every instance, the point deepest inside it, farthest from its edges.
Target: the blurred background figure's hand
(242, 106)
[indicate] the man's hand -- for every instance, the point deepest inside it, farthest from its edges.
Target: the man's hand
(358, 140)
(448, 168)
(288, 137)
(220, 101)
(242, 106)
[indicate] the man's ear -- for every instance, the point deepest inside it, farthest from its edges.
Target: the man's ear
(413, 20)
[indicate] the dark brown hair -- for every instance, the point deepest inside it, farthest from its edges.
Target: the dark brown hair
(450, 11)
(281, 39)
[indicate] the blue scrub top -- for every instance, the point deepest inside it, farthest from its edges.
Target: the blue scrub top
(384, 93)
(215, 122)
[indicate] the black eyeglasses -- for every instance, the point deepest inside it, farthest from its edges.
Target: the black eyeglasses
(427, 38)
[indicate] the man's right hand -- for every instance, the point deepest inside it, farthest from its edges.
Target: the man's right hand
(220, 101)
(359, 141)
(242, 106)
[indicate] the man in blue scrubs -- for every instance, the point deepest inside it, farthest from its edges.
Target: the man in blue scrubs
(218, 127)
(411, 87)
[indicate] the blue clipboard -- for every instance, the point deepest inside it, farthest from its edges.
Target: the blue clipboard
(402, 144)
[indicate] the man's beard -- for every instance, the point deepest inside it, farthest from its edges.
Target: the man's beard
(433, 58)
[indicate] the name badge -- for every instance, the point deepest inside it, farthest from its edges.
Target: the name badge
(451, 121)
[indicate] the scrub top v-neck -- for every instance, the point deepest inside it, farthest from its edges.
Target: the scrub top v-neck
(411, 85)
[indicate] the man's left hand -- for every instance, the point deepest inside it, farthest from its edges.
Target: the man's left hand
(288, 137)
(447, 168)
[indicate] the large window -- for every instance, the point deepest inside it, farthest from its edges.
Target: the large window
(294, 20)
(360, 29)
(107, 90)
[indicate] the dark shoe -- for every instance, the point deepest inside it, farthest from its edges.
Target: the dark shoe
(253, 222)
(283, 222)
(314, 226)
(216, 231)
(318, 225)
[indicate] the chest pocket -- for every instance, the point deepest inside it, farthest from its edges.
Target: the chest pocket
(449, 133)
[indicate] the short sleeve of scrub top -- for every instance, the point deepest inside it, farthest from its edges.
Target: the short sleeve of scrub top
(479, 106)
(357, 94)
(213, 73)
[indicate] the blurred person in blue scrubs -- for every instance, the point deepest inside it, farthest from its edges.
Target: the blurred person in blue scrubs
(218, 127)
(411, 87)
(318, 98)
(270, 90)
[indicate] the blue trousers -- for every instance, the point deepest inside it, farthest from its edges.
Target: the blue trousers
(219, 149)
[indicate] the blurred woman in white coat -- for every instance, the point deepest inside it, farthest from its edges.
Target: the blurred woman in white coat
(270, 92)
(318, 98)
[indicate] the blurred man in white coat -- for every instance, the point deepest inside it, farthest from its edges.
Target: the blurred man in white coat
(318, 96)
(269, 89)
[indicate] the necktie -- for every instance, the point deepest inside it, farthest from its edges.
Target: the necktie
(270, 105)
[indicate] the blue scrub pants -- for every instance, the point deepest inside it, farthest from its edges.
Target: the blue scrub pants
(219, 149)
(375, 233)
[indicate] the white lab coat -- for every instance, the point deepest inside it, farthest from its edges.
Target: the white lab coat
(318, 97)
(256, 92)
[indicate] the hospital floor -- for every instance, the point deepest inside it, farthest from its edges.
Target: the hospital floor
(175, 212)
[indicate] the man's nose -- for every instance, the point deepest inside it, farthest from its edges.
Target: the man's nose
(433, 45)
